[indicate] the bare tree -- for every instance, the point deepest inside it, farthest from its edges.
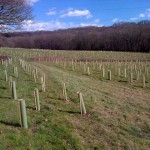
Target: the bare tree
(13, 13)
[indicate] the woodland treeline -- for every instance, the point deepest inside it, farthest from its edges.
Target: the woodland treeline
(134, 37)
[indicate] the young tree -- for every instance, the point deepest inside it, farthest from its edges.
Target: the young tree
(13, 13)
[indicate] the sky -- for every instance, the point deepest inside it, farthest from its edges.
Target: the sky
(62, 14)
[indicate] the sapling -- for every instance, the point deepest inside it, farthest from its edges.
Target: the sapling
(14, 93)
(34, 76)
(119, 71)
(100, 66)
(103, 72)
(84, 68)
(2, 61)
(22, 113)
(65, 92)
(37, 99)
(6, 76)
(82, 105)
(16, 72)
(131, 77)
(97, 65)
(143, 79)
(44, 78)
(109, 74)
(135, 68)
(137, 75)
(10, 81)
(9, 61)
(36, 73)
(125, 72)
(88, 71)
(6, 64)
(73, 66)
(140, 72)
(43, 83)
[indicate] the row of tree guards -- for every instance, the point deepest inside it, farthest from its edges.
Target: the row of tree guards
(130, 71)
(22, 109)
(130, 79)
(82, 105)
(22, 105)
(34, 73)
(22, 102)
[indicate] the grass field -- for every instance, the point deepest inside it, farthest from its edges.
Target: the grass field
(118, 109)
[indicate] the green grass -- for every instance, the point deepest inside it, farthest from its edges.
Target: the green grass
(118, 112)
(48, 129)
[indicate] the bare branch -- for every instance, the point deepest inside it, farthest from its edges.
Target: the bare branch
(13, 13)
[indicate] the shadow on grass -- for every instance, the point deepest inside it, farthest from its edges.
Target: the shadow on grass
(59, 98)
(70, 112)
(122, 81)
(5, 97)
(10, 124)
(29, 107)
(3, 88)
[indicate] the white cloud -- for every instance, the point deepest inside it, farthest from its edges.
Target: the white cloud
(116, 20)
(31, 2)
(145, 14)
(30, 25)
(133, 19)
(142, 15)
(77, 13)
(89, 24)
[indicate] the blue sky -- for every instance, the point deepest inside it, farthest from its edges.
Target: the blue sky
(62, 14)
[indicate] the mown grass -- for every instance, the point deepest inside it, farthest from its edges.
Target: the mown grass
(111, 108)
(118, 113)
(47, 128)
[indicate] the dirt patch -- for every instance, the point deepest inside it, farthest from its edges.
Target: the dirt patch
(3, 57)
